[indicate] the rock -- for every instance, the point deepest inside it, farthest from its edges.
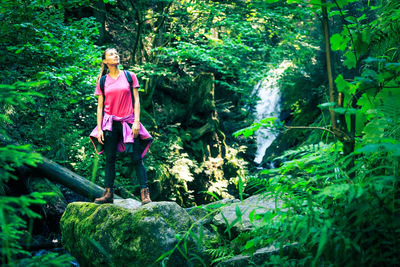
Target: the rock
(203, 216)
(230, 208)
(257, 203)
(124, 233)
(200, 212)
(259, 257)
(128, 203)
(237, 261)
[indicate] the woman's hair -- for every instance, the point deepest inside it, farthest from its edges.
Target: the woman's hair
(104, 68)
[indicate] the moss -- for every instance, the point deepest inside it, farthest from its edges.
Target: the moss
(112, 235)
(71, 219)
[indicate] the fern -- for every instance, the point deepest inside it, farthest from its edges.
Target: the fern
(15, 211)
(220, 254)
(334, 219)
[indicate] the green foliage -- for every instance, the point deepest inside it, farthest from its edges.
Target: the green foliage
(330, 218)
(334, 212)
(265, 123)
(342, 210)
(172, 170)
(362, 34)
(14, 211)
(195, 243)
(39, 45)
(39, 53)
(231, 40)
(14, 232)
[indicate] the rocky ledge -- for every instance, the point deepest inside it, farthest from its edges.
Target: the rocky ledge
(128, 234)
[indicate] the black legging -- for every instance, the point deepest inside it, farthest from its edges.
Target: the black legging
(111, 139)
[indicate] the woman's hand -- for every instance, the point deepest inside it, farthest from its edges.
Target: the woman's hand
(135, 129)
(100, 137)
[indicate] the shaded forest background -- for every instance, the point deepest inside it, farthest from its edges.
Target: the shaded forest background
(337, 154)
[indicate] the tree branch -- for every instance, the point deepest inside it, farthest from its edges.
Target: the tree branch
(308, 127)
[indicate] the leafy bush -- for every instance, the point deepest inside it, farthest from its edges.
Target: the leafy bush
(15, 211)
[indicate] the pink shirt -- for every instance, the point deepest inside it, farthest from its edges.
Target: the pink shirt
(118, 95)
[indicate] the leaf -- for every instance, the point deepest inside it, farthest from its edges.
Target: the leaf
(346, 110)
(238, 212)
(341, 84)
(339, 42)
(361, 44)
(335, 190)
(343, 3)
(228, 229)
(374, 60)
(374, 131)
(268, 121)
(370, 73)
(248, 131)
(249, 244)
(393, 66)
(322, 242)
(251, 215)
(350, 61)
(387, 147)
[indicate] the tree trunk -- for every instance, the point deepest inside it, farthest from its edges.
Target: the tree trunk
(325, 23)
(100, 14)
(64, 176)
(342, 132)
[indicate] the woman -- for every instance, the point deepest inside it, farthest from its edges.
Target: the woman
(118, 124)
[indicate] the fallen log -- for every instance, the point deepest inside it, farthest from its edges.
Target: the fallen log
(64, 176)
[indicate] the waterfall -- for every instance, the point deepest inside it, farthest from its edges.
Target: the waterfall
(267, 107)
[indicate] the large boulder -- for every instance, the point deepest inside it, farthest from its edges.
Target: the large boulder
(238, 216)
(206, 213)
(243, 216)
(124, 233)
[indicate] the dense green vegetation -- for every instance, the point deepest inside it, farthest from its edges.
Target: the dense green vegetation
(197, 63)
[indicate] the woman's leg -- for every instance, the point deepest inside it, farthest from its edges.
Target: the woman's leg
(110, 147)
(138, 164)
(110, 150)
(137, 161)
(141, 173)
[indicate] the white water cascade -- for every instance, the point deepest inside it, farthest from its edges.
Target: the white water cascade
(268, 107)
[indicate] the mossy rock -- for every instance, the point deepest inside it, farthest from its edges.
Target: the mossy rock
(123, 235)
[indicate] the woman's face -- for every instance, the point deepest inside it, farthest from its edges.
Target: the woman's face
(112, 57)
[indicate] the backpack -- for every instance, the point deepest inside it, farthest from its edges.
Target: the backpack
(130, 81)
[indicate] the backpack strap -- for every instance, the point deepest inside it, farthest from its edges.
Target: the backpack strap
(130, 81)
(102, 82)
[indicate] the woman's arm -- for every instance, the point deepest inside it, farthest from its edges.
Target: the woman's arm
(136, 125)
(100, 135)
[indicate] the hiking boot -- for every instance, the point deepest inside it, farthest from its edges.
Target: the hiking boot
(145, 195)
(108, 197)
